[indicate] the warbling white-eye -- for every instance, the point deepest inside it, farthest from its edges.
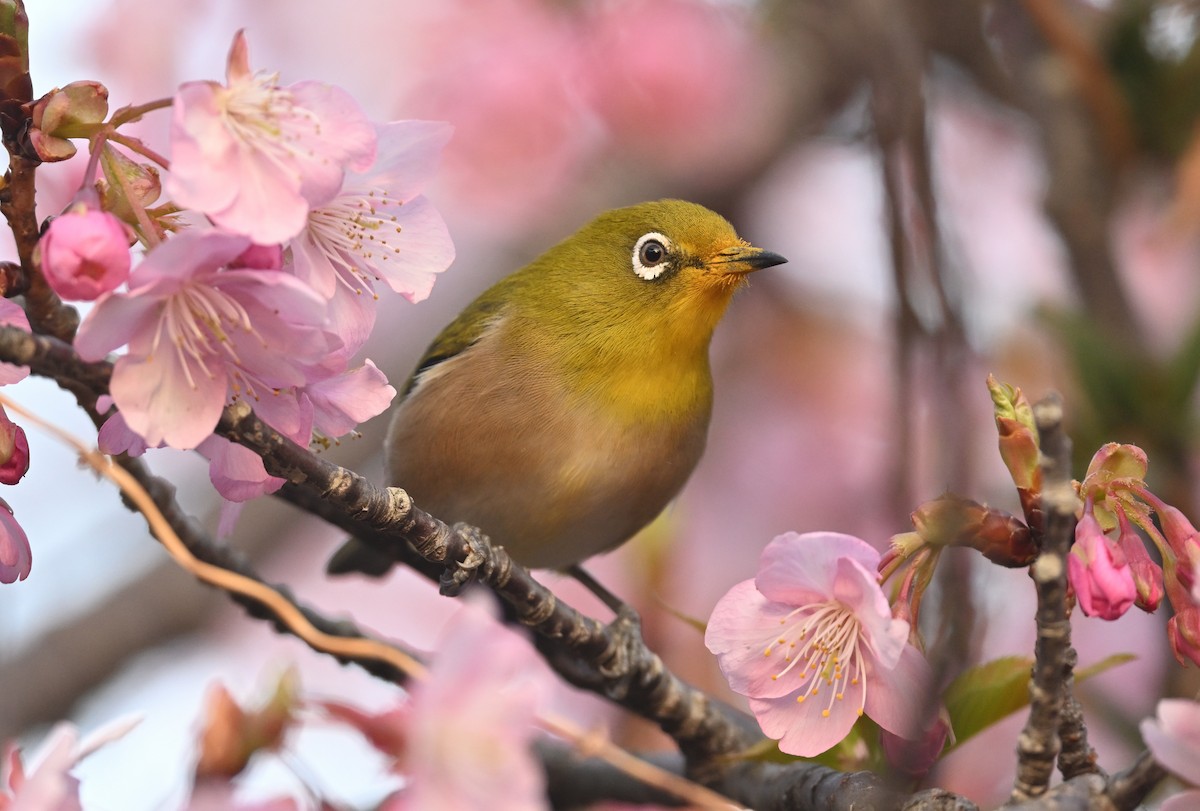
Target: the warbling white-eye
(568, 404)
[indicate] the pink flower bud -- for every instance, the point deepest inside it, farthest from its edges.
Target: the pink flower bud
(14, 450)
(84, 253)
(74, 111)
(1098, 571)
(1183, 630)
(1147, 575)
(916, 757)
(1183, 538)
(16, 558)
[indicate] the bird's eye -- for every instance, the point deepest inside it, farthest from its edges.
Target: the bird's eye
(650, 255)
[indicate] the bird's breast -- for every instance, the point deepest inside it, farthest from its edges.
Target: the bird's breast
(555, 472)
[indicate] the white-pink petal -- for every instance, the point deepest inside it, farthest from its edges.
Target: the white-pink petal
(164, 402)
(801, 727)
(896, 696)
(1174, 737)
(237, 472)
(408, 156)
(858, 589)
(344, 401)
(114, 321)
(739, 633)
(801, 568)
(423, 250)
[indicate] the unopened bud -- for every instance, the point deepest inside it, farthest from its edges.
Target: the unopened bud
(74, 111)
(1183, 630)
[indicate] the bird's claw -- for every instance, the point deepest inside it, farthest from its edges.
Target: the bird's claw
(464, 571)
(627, 646)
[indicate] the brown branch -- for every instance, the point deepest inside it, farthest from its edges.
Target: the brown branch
(625, 670)
(1130, 787)
(619, 665)
(1039, 743)
(1095, 82)
(47, 313)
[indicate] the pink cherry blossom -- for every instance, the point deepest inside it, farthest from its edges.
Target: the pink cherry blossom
(341, 402)
(219, 795)
(1098, 571)
(812, 642)
(199, 334)
(378, 228)
(236, 472)
(116, 437)
(16, 558)
(1173, 737)
(46, 784)
(84, 253)
(255, 157)
(469, 724)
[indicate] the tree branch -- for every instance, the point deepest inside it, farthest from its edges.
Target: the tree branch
(613, 659)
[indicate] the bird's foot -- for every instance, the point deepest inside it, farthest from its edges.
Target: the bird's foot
(465, 571)
(626, 647)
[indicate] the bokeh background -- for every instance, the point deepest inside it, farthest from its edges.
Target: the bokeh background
(962, 187)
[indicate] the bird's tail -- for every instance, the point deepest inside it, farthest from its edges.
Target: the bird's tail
(355, 557)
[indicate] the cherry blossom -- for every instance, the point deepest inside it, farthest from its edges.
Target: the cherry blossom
(378, 228)
(255, 157)
(1147, 575)
(1173, 737)
(200, 333)
(462, 741)
(46, 784)
(812, 642)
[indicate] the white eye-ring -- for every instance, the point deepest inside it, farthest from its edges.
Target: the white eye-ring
(650, 255)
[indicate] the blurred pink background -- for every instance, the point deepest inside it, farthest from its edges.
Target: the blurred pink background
(562, 110)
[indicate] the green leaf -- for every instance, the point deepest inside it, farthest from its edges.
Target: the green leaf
(1104, 664)
(985, 694)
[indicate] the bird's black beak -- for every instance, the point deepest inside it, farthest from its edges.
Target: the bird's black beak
(745, 259)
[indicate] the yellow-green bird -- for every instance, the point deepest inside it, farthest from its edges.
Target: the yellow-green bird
(568, 404)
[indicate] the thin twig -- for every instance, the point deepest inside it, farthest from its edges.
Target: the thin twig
(1039, 743)
(217, 576)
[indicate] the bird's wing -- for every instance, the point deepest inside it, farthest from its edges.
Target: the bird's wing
(461, 333)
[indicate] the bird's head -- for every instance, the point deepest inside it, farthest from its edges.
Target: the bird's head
(665, 260)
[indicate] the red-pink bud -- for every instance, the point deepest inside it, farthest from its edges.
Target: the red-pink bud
(84, 253)
(16, 558)
(14, 450)
(1147, 575)
(1183, 630)
(1182, 537)
(1098, 571)
(916, 757)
